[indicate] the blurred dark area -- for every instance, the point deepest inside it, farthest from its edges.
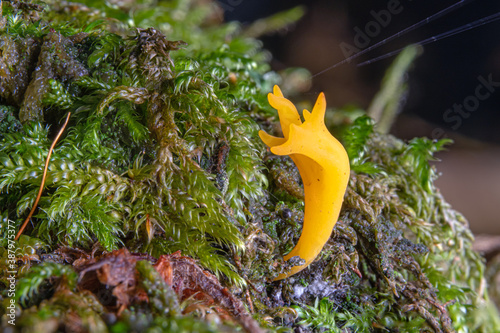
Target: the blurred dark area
(454, 86)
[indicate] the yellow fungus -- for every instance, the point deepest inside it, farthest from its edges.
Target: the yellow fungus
(324, 168)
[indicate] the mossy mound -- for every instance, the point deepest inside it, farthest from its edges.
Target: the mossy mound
(161, 154)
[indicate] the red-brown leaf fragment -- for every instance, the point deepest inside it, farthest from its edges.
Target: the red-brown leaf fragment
(115, 269)
(187, 279)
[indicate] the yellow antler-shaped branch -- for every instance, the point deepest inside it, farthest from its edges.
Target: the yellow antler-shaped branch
(324, 168)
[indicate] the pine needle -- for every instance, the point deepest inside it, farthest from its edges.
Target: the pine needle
(43, 177)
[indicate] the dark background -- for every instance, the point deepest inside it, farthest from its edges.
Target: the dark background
(446, 73)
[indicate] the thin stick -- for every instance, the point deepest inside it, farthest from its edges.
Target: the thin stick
(43, 178)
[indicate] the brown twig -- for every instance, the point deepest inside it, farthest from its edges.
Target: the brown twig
(43, 178)
(249, 301)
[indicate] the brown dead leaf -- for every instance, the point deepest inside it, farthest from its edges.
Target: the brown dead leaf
(113, 279)
(190, 280)
(115, 269)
